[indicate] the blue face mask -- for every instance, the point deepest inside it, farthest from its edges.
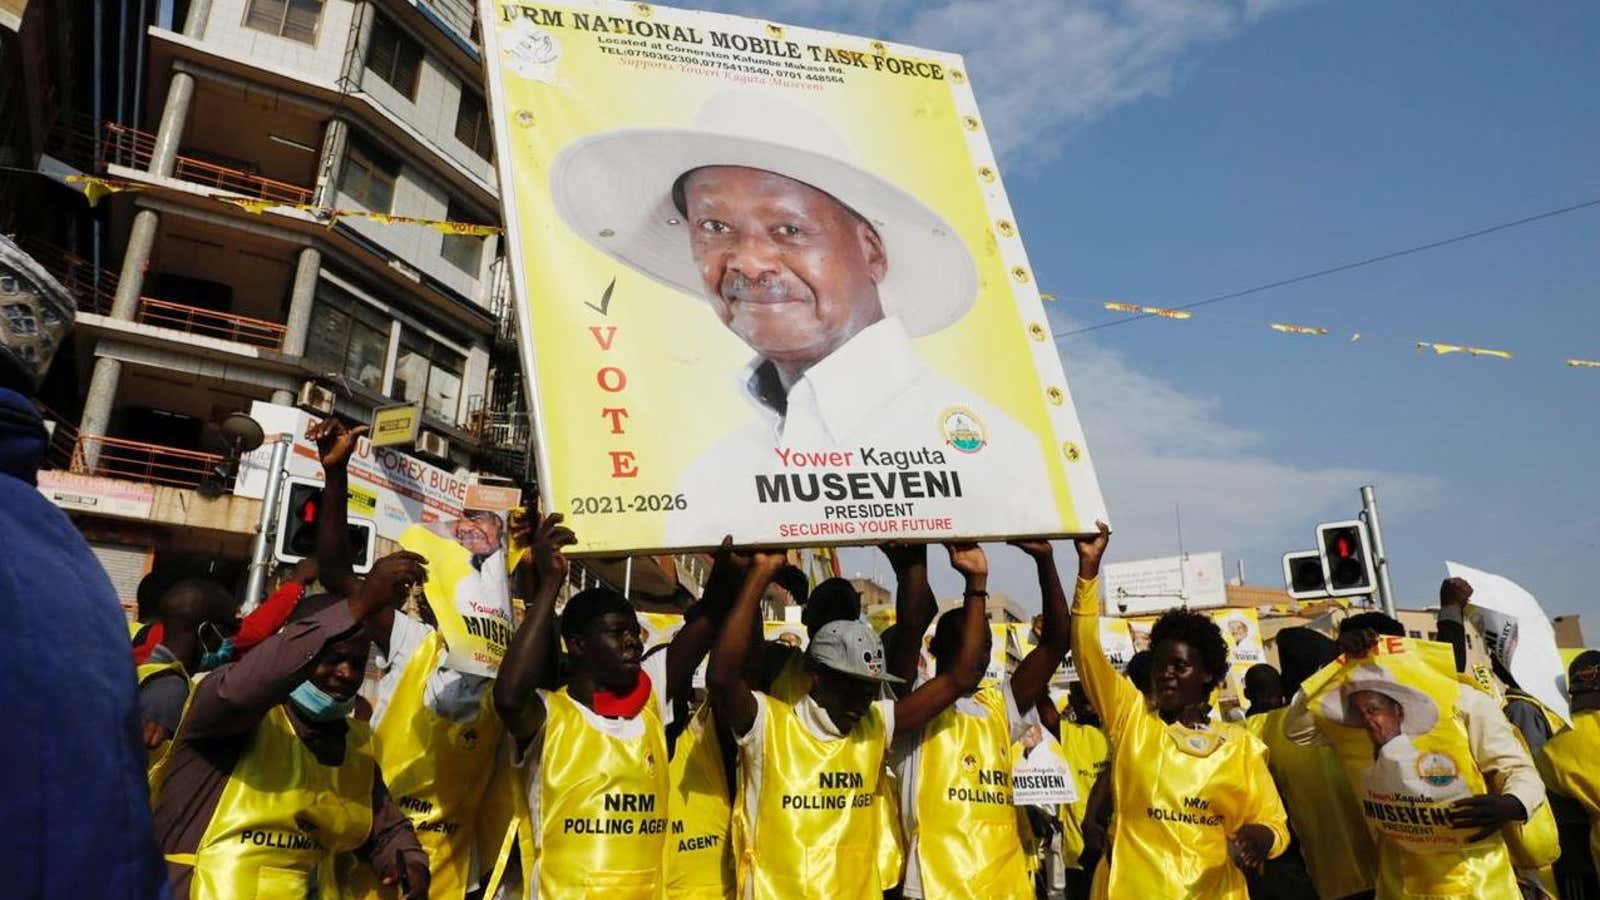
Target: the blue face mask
(214, 658)
(317, 705)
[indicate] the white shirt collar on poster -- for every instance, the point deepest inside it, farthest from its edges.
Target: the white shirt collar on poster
(838, 393)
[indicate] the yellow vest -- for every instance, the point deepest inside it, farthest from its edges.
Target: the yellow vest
(1179, 794)
(603, 804)
(966, 826)
(791, 686)
(1087, 751)
(816, 833)
(436, 771)
(1322, 808)
(158, 755)
(699, 847)
(283, 816)
(1572, 766)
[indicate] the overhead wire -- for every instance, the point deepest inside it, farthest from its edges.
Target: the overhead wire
(1167, 311)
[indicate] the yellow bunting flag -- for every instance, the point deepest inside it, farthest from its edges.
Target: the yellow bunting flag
(94, 188)
(1149, 310)
(1584, 363)
(1443, 349)
(249, 205)
(467, 228)
(1286, 328)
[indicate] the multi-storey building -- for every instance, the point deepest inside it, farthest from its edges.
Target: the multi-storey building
(215, 276)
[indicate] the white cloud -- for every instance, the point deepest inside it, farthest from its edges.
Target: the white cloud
(1156, 445)
(1042, 69)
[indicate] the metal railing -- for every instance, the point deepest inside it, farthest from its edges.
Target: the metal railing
(138, 461)
(94, 288)
(130, 147)
(226, 326)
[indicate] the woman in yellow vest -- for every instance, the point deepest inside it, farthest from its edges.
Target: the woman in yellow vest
(436, 735)
(809, 772)
(594, 752)
(1570, 763)
(962, 830)
(1195, 803)
(1084, 744)
(269, 779)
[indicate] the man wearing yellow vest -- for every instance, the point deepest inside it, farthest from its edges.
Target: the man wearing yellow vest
(269, 779)
(1194, 803)
(1570, 762)
(436, 734)
(1483, 864)
(194, 615)
(804, 822)
(962, 831)
(1323, 811)
(1084, 744)
(593, 753)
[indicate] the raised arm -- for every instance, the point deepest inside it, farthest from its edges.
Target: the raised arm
(233, 699)
(529, 657)
(335, 443)
(936, 694)
(1112, 695)
(1032, 678)
(732, 699)
(265, 620)
(693, 640)
(914, 610)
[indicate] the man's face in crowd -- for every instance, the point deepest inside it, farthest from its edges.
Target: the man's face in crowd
(789, 269)
(1379, 715)
(1263, 687)
(612, 649)
(340, 668)
(479, 534)
(845, 699)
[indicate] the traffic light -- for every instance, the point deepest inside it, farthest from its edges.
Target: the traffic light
(1346, 555)
(1302, 575)
(298, 514)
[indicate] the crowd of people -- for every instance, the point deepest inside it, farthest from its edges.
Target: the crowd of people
(198, 754)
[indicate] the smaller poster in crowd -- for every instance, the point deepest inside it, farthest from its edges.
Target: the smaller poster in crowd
(467, 587)
(1390, 717)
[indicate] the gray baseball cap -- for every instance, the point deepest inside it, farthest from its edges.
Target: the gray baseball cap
(850, 648)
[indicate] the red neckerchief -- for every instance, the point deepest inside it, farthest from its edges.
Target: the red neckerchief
(152, 635)
(623, 706)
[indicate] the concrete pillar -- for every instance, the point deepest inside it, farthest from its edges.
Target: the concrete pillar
(174, 116)
(330, 162)
(135, 261)
(195, 24)
(308, 267)
(97, 406)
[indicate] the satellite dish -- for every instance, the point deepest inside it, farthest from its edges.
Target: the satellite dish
(242, 432)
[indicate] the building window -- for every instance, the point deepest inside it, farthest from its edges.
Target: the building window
(428, 372)
(292, 19)
(393, 56)
(472, 124)
(348, 337)
(369, 176)
(464, 251)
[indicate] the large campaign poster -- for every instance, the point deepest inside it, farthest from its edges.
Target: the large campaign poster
(770, 285)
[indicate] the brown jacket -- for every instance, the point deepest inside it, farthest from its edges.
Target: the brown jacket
(228, 705)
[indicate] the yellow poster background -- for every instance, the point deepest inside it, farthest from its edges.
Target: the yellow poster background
(679, 363)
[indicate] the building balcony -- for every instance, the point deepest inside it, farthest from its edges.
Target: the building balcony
(208, 323)
(110, 457)
(95, 290)
(133, 149)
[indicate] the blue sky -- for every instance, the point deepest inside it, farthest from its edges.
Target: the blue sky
(1160, 152)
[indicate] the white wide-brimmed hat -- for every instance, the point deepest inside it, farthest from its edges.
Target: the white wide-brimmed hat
(1421, 713)
(615, 189)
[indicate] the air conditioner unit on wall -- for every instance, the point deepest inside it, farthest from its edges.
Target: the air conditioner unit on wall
(433, 445)
(315, 398)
